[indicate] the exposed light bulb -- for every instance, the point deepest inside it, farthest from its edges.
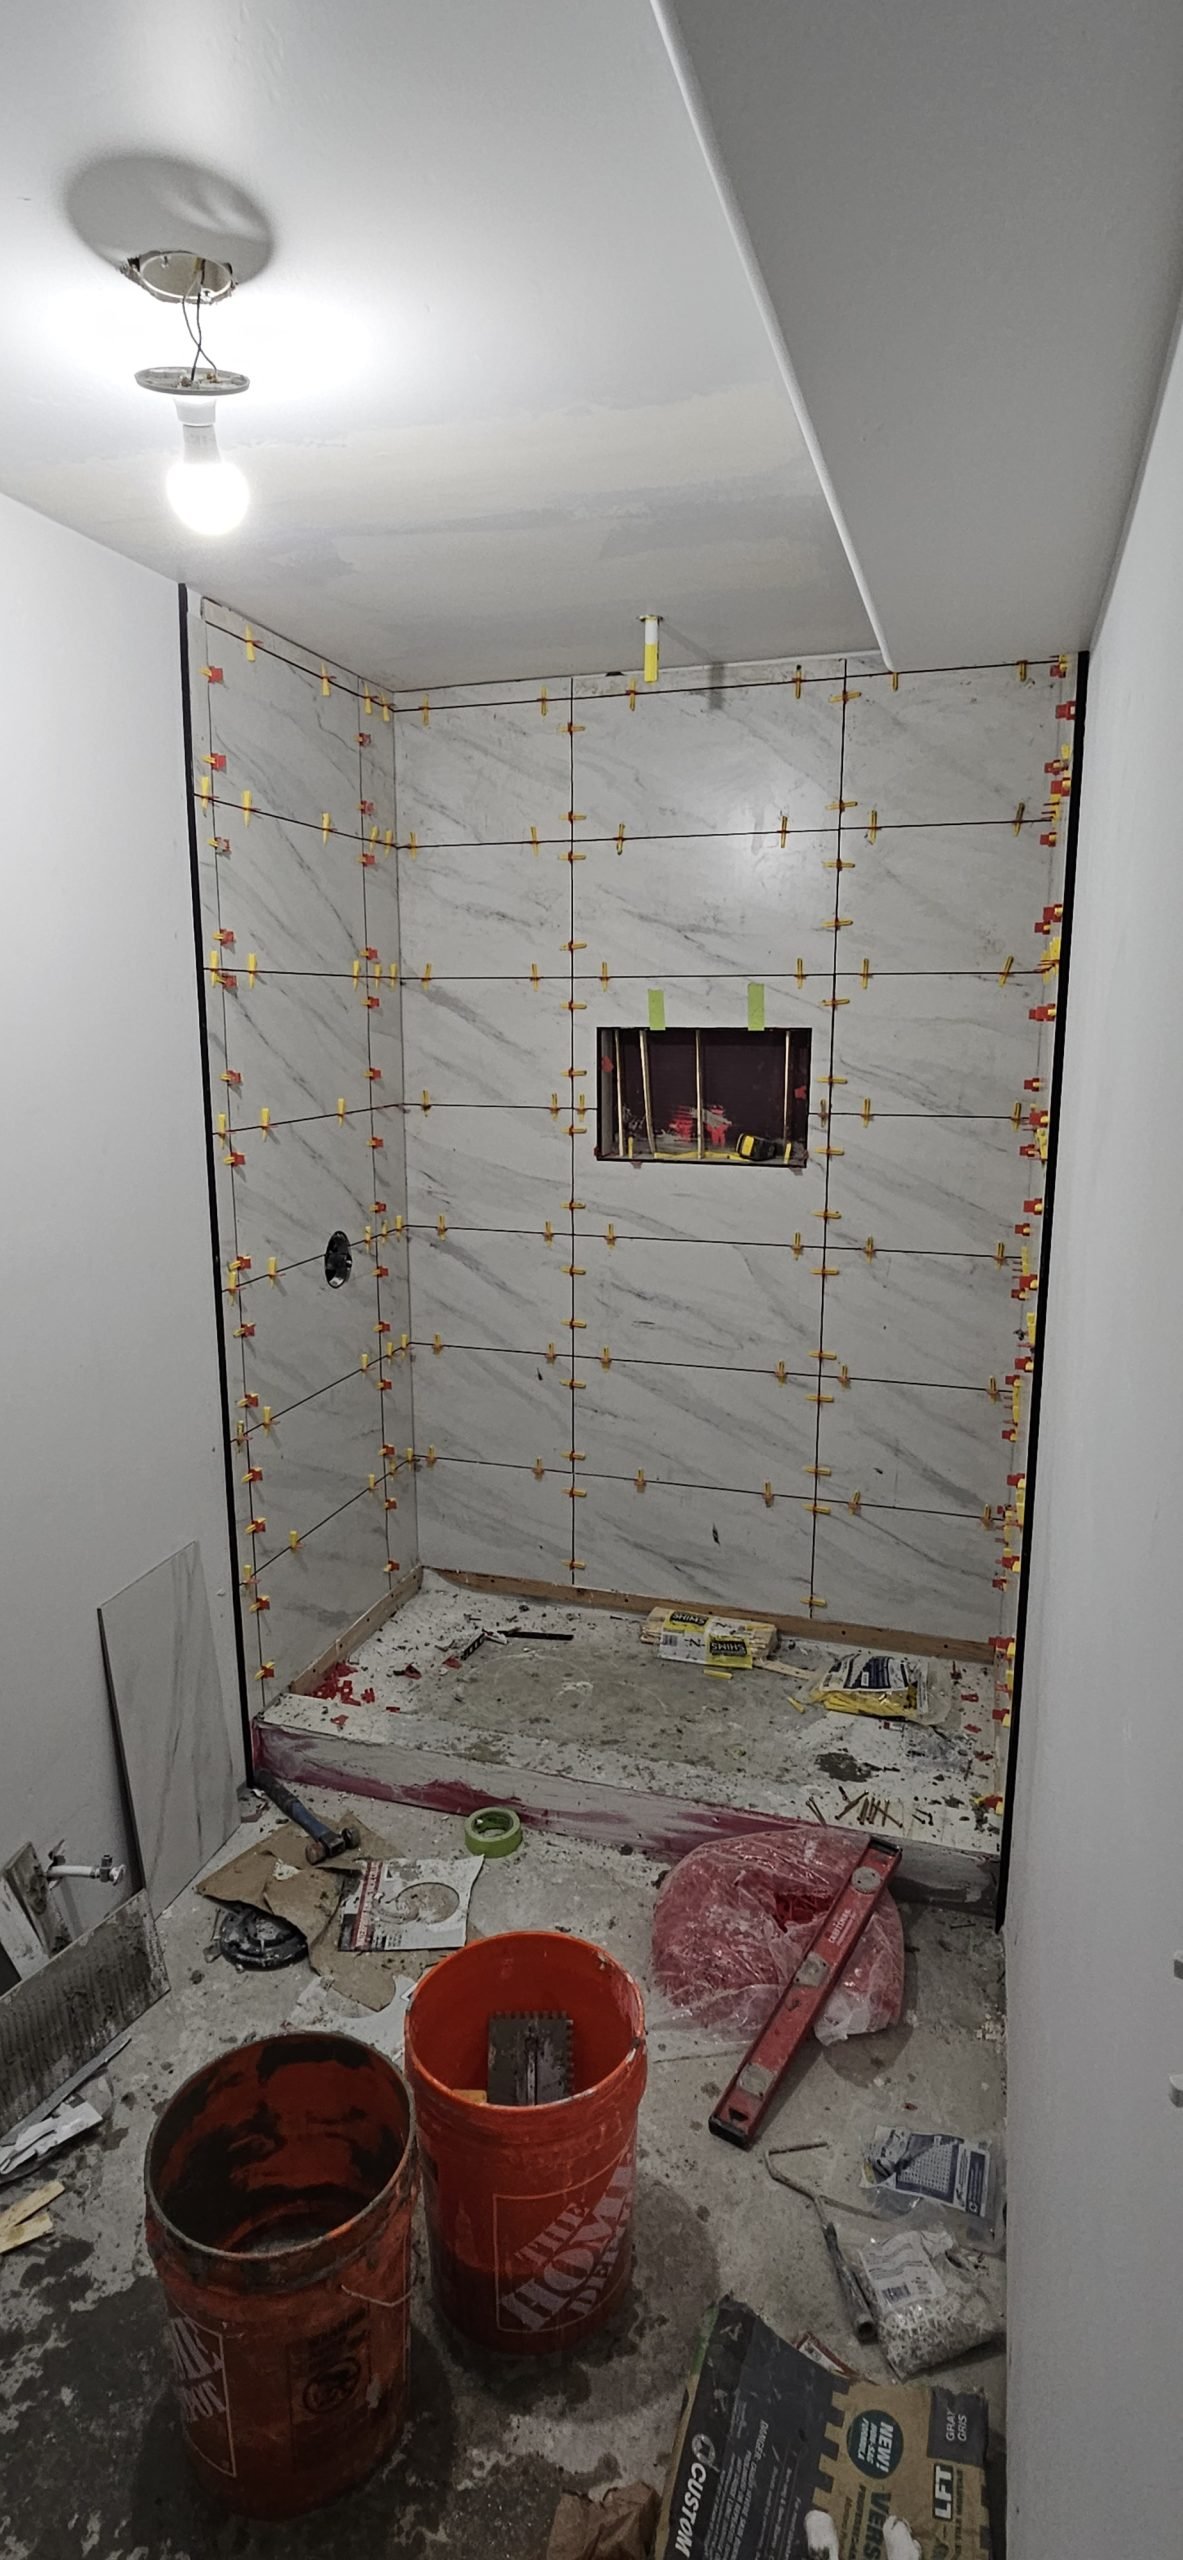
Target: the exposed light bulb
(209, 495)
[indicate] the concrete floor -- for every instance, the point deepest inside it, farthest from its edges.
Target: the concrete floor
(91, 2462)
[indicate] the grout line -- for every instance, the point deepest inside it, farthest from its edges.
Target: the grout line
(363, 1494)
(825, 1224)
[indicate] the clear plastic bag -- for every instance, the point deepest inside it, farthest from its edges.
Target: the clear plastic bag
(906, 2171)
(733, 1921)
(934, 2300)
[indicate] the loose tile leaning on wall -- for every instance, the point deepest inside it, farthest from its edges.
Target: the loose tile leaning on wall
(294, 781)
(792, 1390)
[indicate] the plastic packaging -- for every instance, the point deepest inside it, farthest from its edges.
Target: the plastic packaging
(733, 1921)
(934, 2300)
(906, 2171)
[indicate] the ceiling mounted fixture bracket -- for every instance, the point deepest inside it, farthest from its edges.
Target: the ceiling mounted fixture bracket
(178, 275)
(180, 382)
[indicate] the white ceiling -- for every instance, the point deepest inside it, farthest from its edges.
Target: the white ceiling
(509, 386)
(968, 218)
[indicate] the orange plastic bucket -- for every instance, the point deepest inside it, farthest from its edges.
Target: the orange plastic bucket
(280, 2192)
(529, 2209)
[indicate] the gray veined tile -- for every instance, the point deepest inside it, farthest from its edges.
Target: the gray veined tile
(386, 1054)
(935, 1044)
(523, 693)
(314, 1593)
(485, 775)
(925, 1448)
(170, 1719)
(711, 1203)
(316, 1457)
(486, 911)
(944, 897)
(923, 1185)
(286, 741)
(513, 1407)
(227, 626)
(489, 1168)
(300, 1046)
(299, 1184)
(714, 680)
(306, 1335)
(696, 1545)
(483, 1040)
(951, 744)
(492, 1292)
(722, 1427)
(721, 907)
(911, 1572)
(495, 1519)
(733, 762)
(738, 1306)
(934, 1319)
(289, 896)
(714, 1001)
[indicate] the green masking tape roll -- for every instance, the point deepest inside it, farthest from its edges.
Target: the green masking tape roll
(494, 1831)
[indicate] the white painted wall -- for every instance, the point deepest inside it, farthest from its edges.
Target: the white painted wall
(111, 1429)
(1096, 2257)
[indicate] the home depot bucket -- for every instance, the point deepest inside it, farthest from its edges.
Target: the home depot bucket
(529, 2209)
(280, 2190)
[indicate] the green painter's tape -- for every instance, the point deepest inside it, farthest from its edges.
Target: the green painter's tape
(656, 1009)
(755, 1004)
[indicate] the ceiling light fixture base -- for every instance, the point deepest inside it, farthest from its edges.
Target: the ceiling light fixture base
(179, 275)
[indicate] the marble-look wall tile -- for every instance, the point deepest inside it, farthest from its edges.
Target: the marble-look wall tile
(930, 1318)
(225, 626)
(299, 1046)
(306, 904)
(486, 911)
(926, 1448)
(166, 1698)
(292, 746)
(491, 1292)
(758, 673)
(678, 1543)
(514, 1407)
(316, 1592)
(315, 1458)
(744, 1306)
(482, 1040)
(486, 775)
(285, 893)
(731, 762)
(950, 745)
(708, 906)
(717, 1001)
(521, 692)
(480, 1167)
(495, 1519)
(924, 1185)
(306, 1335)
(923, 1572)
(697, 1426)
(944, 897)
(299, 1183)
(935, 1043)
(718, 1204)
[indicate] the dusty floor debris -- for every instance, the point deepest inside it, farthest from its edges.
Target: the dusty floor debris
(491, 2446)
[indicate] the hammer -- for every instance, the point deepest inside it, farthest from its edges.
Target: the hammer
(323, 1841)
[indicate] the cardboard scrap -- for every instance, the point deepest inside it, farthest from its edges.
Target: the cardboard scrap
(767, 2437)
(617, 2526)
(274, 1875)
